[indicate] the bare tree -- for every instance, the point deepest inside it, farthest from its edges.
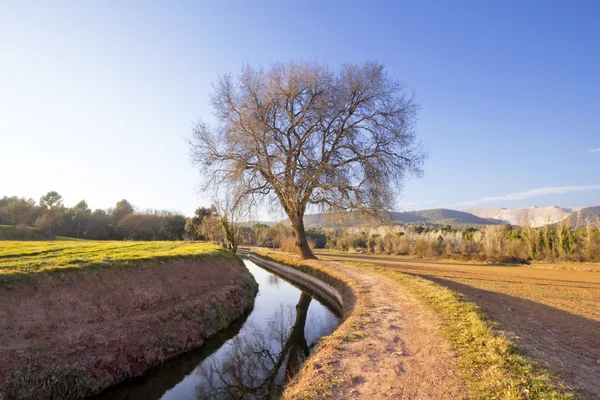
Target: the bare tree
(304, 135)
(231, 209)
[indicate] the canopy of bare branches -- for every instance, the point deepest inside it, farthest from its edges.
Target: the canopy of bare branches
(305, 135)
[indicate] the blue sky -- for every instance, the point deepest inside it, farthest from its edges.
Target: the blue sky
(97, 98)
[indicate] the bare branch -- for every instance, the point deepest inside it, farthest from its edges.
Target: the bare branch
(301, 134)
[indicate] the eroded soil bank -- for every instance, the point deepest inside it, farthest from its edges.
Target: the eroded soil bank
(73, 335)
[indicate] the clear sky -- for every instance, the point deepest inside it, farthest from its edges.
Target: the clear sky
(97, 98)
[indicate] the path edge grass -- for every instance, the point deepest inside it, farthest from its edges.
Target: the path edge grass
(490, 363)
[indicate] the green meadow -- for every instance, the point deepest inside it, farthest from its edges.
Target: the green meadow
(20, 260)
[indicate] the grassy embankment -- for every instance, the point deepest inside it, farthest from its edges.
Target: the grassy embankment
(23, 260)
(100, 307)
(490, 364)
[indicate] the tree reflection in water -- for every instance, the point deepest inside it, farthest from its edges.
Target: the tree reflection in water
(273, 280)
(257, 365)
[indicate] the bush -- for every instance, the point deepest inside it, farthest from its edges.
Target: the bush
(403, 246)
(421, 248)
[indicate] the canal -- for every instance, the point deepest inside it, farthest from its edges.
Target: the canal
(253, 359)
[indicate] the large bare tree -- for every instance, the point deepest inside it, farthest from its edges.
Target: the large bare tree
(305, 135)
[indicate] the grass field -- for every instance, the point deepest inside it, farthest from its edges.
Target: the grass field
(22, 259)
(551, 311)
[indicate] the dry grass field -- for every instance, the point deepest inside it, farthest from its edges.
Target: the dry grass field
(551, 311)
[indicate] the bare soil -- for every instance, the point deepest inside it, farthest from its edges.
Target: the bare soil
(403, 355)
(553, 314)
(82, 332)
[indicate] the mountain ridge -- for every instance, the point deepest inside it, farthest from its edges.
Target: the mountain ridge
(532, 216)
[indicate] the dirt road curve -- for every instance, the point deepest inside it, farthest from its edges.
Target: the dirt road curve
(404, 355)
(553, 314)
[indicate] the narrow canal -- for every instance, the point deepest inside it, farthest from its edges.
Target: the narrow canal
(253, 359)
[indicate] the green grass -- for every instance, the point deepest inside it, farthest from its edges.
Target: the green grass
(23, 260)
(67, 239)
(490, 364)
(8, 232)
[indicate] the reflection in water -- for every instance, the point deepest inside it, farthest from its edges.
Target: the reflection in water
(253, 361)
(253, 368)
(273, 280)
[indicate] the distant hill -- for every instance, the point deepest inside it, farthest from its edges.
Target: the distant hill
(583, 216)
(252, 223)
(536, 216)
(442, 216)
(589, 213)
(439, 216)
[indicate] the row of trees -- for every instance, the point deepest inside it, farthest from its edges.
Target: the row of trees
(50, 217)
(219, 223)
(212, 224)
(493, 242)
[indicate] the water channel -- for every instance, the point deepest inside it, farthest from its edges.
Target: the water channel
(253, 359)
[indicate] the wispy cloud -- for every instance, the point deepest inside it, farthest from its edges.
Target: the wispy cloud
(596, 150)
(529, 194)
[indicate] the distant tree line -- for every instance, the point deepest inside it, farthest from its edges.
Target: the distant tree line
(560, 242)
(206, 224)
(50, 217)
(494, 243)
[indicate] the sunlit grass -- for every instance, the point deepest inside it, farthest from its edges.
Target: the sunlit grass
(20, 260)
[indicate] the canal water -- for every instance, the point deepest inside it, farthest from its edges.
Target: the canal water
(253, 359)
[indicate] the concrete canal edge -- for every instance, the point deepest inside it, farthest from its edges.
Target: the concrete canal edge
(313, 285)
(320, 375)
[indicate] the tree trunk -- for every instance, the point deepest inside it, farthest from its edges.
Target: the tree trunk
(301, 242)
(298, 347)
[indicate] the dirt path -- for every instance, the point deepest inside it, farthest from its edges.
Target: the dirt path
(551, 314)
(403, 355)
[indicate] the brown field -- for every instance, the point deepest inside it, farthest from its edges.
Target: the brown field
(551, 311)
